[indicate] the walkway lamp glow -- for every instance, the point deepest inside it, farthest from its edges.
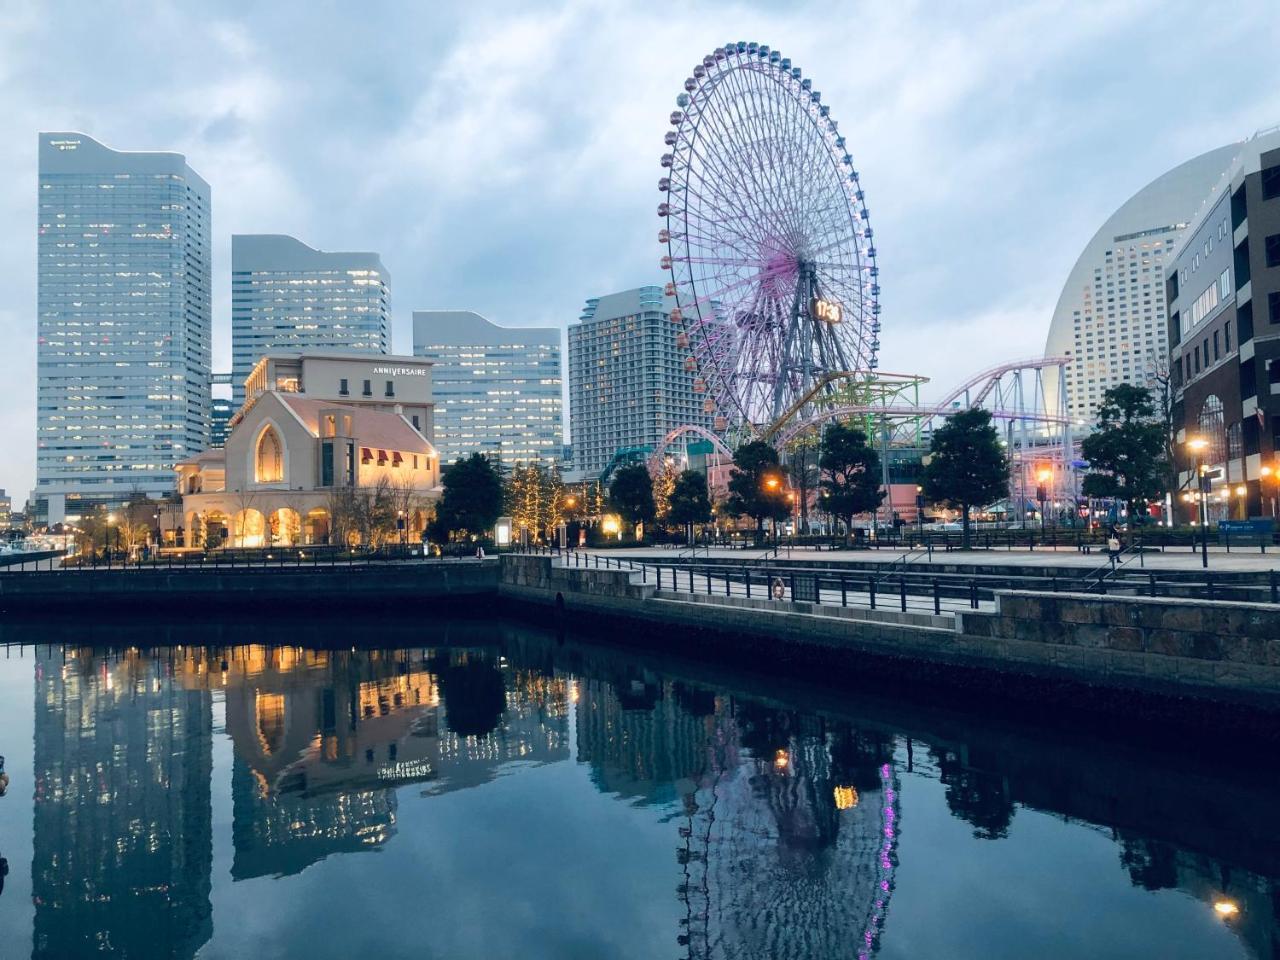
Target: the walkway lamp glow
(1273, 474)
(1197, 446)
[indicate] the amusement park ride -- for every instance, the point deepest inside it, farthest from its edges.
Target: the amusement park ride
(771, 261)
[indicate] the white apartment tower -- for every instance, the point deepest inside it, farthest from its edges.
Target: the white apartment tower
(1110, 317)
(497, 390)
(286, 295)
(628, 386)
(124, 322)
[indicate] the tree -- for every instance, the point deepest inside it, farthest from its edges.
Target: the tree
(690, 502)
(524, 489)
(850, 473)
(1160, 378)
(472, 497)
(1127, 451)
(967, 465)
(631, 494)
(756, 487)
(802, 468)
(663, 486)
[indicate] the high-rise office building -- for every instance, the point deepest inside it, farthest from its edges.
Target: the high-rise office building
(1110, 316)
(628, 386)
(286, 295)
(220, 413)
(1223, 292)
(124, 322)
(497, 390)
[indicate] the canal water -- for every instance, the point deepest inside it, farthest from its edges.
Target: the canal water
(278, 789)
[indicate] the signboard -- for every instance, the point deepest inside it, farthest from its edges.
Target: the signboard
(1263, 525)
(804, 587)
(826, 310)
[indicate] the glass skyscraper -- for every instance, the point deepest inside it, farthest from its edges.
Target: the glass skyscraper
(497, 390)
(124, 322)
(286, 295)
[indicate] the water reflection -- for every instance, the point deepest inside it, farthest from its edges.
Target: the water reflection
(122, 835)
(323, 738)
(785, 831)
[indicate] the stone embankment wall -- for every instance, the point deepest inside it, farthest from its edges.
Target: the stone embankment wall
(1216, 653)
(1152, 642)
(212, 592)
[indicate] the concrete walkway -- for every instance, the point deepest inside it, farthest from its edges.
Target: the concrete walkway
(1245, 560)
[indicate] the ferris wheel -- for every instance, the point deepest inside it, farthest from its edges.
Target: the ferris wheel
(768, 241)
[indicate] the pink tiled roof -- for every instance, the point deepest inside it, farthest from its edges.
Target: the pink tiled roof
(372, 428)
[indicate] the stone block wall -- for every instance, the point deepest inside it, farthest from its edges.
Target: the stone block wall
(1158, 640)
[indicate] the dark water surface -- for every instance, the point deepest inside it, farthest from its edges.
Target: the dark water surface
(486, 790)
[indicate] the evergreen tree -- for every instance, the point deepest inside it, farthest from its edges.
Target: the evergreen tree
(756, 487)
(690, 502)
(967, 465)
(631, 494)
(1127, 451)
(472, 498)
(851, 473)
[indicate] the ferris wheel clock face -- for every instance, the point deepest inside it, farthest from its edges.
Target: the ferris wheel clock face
(768, 241)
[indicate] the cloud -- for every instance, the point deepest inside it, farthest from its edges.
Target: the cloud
(505, 159)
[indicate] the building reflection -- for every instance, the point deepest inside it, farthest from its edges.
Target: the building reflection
(323, 738)
(122, 816)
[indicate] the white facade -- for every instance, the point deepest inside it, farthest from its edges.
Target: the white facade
(286, 295)
(628, 386)
(313, 423)
(124, 321)
(497, 390)
(1110, 317)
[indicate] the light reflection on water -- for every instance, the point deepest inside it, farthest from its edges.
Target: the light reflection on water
(494, 792)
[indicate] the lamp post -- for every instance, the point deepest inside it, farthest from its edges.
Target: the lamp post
(1272, 474)
(1042, 492)
(920, 510)
(1197, 445)
(771, 484)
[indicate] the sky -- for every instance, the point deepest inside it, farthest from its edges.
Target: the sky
(503, 157)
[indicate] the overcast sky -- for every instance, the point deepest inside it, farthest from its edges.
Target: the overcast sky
(503, 157)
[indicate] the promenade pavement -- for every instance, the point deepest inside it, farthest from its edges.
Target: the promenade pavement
(1238, 560)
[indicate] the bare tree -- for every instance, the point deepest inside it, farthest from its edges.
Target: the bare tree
(802, 468)
(244, 501)
(1159, 377)
(344, 512)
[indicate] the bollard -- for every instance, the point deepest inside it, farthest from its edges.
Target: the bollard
(973, 594)
(844, 592)
(1208, 582)
(691, 590)
(1153, 583)
(1275, 588)
(937, 597)
(902, 592)
(871, 590)
(708, 573)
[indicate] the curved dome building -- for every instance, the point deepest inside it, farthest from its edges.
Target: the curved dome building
(1110, 316)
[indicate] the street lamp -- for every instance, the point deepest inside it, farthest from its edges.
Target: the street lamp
(1270, 472)
(771, 483)
(1042, 492)
(920, 510)
(1197, 445)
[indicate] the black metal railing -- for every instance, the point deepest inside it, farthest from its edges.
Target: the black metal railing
(911, 590)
